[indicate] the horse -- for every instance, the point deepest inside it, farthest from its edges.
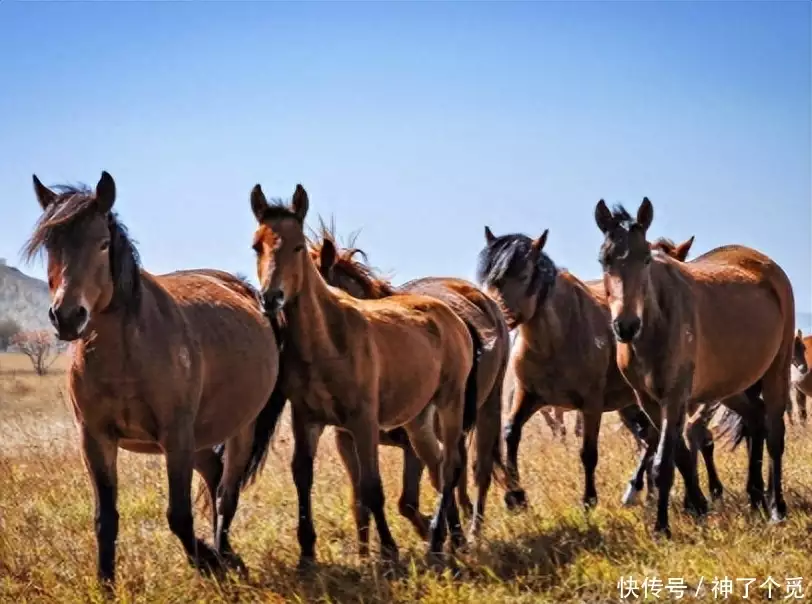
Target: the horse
(341, 268)
(362, 366)
(563, 354)
(802, 383)
(168, 364)
(720, 327)
(700, 437)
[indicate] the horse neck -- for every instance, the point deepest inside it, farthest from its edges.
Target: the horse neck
(546, 331)
(308, 317)
(108, 340)
(655, 319)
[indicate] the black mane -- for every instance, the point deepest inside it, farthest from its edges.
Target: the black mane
(507, 255)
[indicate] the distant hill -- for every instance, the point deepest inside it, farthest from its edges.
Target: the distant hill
(23, 299)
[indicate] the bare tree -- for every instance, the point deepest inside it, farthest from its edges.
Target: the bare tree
(8, 329)
(40, 347)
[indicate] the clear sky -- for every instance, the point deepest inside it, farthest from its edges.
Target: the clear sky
(416, 122)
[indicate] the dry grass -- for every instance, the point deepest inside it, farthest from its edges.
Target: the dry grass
(553, 552)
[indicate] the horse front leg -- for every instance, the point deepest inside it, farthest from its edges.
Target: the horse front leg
(306, 435)
(100, 453)
(365, 435)
(589, 451)
(525, 404)
(180, 453)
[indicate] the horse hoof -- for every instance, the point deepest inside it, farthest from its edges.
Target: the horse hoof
(631, 497)
(590, 503)
(777, 517)
(516, 500)
(363, 552)
(662, 532)
(234, 562)
(698, 508)
(459, 543)
(717, 493)
(436, 561)
(306, 565)
(390, 554)
(208, 562)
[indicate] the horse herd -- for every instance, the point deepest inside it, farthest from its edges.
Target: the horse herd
(198, 365)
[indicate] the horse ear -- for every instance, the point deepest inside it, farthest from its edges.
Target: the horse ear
(603, 217)
(799, 335)
(300, 202)
(105, 192)
(645, 214)
(489, 236)
(258, 203)
(44, 195)
(328, 255)
(682, 250)
(538, 244)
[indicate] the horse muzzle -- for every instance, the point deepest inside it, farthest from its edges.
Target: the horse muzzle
(69, 323)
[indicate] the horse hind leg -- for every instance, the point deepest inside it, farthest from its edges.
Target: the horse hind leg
(210, 467)
(800, 403)
(424, 440)
(701, 439)
(776, 395)
(488, 431)
(463, 499)
(346, 449)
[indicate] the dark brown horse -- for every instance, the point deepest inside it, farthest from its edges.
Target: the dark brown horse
(802, 383)
(564, 353)
(700, 438)
(342, 269)
(362, 366)
(170, 364)
(718, 326)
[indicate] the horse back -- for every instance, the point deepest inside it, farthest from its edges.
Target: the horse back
(479, 311)
(234, 341)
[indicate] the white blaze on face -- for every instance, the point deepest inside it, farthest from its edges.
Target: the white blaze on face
(794, 374)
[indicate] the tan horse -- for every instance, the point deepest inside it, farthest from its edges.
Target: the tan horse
(563, 355)
(362, 366)
(802, 386)
(341, 269)
(715, 327)
(169, 364)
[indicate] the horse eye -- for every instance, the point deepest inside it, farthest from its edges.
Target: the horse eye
(299, 248)
(257, 247)
(105, 245)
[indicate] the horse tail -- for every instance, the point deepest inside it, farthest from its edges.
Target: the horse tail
(733, 427)
(264, 429)
(471, 398)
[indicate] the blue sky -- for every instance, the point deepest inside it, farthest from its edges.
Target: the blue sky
(416, 122)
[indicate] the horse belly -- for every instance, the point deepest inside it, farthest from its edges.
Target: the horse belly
(734, 352)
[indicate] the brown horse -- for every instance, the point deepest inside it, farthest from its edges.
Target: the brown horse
(718, 326)
(342, 269)
(564, 353)
(700, 438)
(802, 384)
(363, 365)
(170, 364)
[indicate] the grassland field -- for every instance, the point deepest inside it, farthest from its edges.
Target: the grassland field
(553, 552)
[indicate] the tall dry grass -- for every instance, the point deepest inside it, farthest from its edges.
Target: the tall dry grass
(554, 552)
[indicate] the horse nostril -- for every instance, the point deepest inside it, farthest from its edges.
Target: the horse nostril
(81, 315)
(272, 300)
